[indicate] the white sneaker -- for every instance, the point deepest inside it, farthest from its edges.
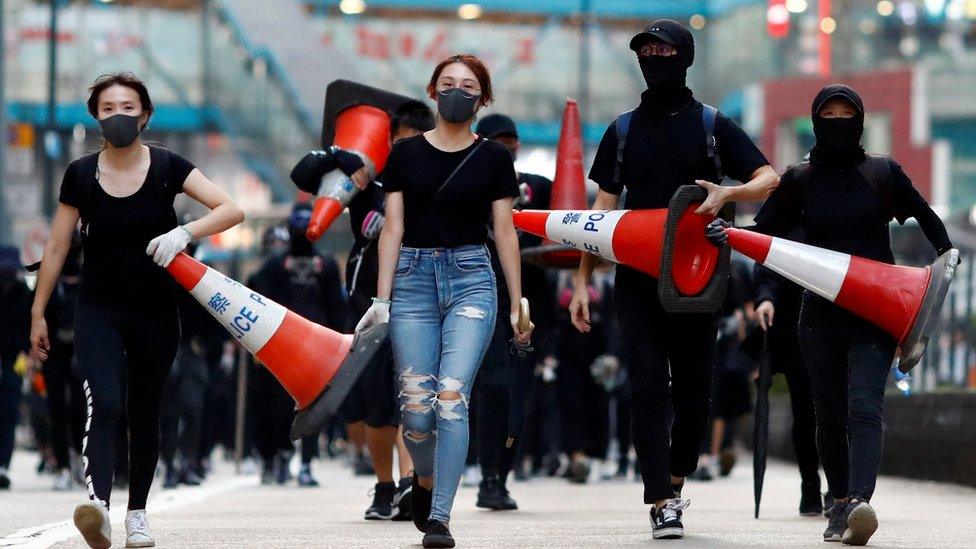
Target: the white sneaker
(92, 521)
(137, 532)
(63, 481)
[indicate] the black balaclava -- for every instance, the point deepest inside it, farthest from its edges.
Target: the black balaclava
(298, 221)
(666, 76)
(838, 139)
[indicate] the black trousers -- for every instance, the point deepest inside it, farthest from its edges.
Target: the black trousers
(502, 379)
(584, 404)
(135, 350)
(10, 389)
(182, 418)
(804, 431)
(272, 410)
(65, 401)
(670, 359)
(848, 360)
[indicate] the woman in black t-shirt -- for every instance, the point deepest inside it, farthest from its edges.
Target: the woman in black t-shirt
(442, 186)
(126, 320)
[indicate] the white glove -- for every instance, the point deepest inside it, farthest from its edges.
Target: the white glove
(164, 247)
(378, 313)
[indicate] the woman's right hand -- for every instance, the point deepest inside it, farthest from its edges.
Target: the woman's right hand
(579, 308)
(40, 344)
(765, 312)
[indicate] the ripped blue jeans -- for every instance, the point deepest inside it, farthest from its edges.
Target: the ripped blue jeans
(441, 321)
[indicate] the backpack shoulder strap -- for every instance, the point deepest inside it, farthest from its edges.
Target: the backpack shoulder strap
(159, 158)
(709, 115)
(876, 169)
(87, 165)
(621, 126)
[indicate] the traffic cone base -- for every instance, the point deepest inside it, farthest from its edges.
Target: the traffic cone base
(306, 358)
(903, 301)
(941, 273)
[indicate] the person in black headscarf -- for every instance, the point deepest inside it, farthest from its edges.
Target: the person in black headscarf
(668, 141)
(844, 199)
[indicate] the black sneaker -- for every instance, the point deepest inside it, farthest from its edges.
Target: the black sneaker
(862, 523)
(436, 534)
(837, 523)
(811, 505)
(305, 478)
(420, 500)
(506, 503)
(282, 471)
(4, 479)
(190, 477)
(828, 503)
(382, 507)
(666, 521)
(401, 500)
(578, 472)
(489, 493)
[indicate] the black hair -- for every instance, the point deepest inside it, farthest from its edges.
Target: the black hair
(126, 79)
(414, 115)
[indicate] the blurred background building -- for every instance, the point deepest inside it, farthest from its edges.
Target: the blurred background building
(239, 87)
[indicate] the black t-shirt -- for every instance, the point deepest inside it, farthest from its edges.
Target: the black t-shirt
(117, 272)
(664, 152)
(838, 209)
(460, 213)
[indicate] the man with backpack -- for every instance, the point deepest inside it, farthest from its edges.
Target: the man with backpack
(668, 141)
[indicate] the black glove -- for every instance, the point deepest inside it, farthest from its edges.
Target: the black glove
(348, 162)
(307, 174)
(715, 231)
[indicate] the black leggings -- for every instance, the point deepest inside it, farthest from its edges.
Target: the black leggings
(183, 416)
(848, 360)
(670, 359)
(117, 349)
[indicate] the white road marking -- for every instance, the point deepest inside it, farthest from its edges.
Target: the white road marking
(46, 535)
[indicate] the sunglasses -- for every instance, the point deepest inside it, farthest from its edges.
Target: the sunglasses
(659, 49)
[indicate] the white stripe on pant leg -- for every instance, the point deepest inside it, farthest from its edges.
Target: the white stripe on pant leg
(816, 269)
(84, 445)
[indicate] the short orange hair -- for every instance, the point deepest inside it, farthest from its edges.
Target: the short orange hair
(476, 65)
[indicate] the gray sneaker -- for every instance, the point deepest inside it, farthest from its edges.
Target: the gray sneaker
(92, 521)
(837, 522)
(862, 522)
(137, 532)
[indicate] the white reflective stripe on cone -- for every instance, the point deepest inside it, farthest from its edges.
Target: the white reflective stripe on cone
(587, 230)
(250, 317)
(816, 269)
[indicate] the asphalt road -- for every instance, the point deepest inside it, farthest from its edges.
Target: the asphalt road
(235, 511)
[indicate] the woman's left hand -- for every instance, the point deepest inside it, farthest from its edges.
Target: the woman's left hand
(520, 336)
(717, 197)
(164, 247)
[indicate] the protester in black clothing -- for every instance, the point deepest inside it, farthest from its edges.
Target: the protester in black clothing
(182, 418)
(126, 322)
(14, 319)
(779, 299)
(65, 395)
(665, 148)
(844, 199)
(500, 391)
(308, 284)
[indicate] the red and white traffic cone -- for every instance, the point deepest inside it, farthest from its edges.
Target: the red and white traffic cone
(634, 238)
(364, 130)
(316, 365)
(568, 190)
(903, 301)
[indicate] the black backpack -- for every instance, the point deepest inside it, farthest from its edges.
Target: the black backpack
(709, 114)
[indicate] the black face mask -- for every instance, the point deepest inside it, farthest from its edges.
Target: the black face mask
(456, 106)
(663, 71)
(120, 129)
(838, 133)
